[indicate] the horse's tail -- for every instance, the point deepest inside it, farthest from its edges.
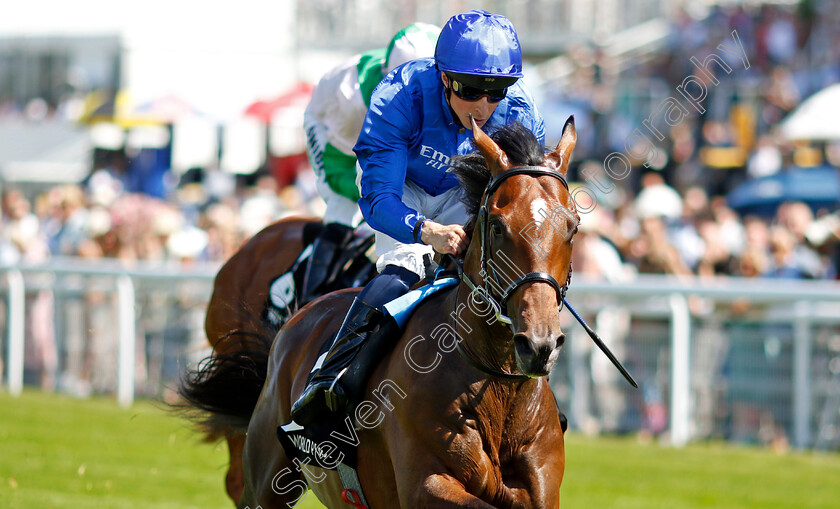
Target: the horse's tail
(222, 391)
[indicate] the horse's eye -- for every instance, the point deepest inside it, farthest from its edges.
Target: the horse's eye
(496, 229)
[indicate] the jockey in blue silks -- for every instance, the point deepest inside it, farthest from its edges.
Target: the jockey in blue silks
(333, 121)
(419, 117)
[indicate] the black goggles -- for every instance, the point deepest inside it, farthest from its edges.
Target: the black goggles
(473, 94)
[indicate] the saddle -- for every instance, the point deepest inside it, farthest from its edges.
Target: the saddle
(352, 268)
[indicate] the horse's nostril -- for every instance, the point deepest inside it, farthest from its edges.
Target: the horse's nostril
(560, 340)
(522, 343)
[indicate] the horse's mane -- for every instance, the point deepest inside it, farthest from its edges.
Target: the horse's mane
(521, 147)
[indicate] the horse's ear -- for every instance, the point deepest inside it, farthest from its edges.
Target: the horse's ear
(497, 160)
(559, 159)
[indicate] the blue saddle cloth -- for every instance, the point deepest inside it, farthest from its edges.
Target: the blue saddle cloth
(331, 442)
(401, 308)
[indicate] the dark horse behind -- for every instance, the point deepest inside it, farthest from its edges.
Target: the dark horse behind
(460, 413)
(254, 293)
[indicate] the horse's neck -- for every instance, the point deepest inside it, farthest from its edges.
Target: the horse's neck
(488, 400)
(492, 399)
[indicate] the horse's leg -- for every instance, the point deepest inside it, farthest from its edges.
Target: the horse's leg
(441, 491)
(271, 479)
(234, 481)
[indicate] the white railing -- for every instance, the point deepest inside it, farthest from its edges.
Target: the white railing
(124, 277)
(802, 305)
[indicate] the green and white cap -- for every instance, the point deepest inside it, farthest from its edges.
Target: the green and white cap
(417, 40)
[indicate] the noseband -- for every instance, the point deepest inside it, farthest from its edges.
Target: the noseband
(499, 303)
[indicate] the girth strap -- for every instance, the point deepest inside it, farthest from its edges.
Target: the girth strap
(352, 492)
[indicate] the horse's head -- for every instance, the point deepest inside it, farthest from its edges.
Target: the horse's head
(522, 243)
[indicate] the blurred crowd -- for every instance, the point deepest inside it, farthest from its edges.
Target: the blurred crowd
(792, 52)
(672, 216)
(657, 230)
(661, 231)
(98, 219)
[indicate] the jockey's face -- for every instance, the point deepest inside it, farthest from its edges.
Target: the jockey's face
(481, 109)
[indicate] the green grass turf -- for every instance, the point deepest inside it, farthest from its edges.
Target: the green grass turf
(58, 452)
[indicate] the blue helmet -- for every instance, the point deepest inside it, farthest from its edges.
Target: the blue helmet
(480, 48)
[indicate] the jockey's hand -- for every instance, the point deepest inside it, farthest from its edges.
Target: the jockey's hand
(445, 239)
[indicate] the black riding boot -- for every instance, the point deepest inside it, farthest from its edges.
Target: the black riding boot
(345, 370)
(323, 393)
(324, 249)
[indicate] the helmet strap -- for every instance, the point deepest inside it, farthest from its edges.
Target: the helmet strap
(448, 93)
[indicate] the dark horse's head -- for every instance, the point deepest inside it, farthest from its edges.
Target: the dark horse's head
(521, 247)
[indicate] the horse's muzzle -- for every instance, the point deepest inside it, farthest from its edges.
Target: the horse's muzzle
(535, 356)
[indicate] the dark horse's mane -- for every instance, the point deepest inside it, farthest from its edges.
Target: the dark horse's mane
(521, 147)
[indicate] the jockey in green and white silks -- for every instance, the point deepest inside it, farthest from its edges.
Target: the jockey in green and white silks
(332, 121)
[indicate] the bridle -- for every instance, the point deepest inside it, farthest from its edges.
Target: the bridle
(485, 291)
(499, 302)
(498, 160)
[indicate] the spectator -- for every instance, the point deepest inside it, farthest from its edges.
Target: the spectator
(70, 219)
(657, 199)
(654, 253)
(796, 218)
(21, 230)
(784, 263)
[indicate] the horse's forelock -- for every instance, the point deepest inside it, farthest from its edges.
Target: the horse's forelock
(521, 147)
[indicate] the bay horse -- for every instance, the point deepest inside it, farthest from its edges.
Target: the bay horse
(240, 293)
(465, 417)
(240, 314)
